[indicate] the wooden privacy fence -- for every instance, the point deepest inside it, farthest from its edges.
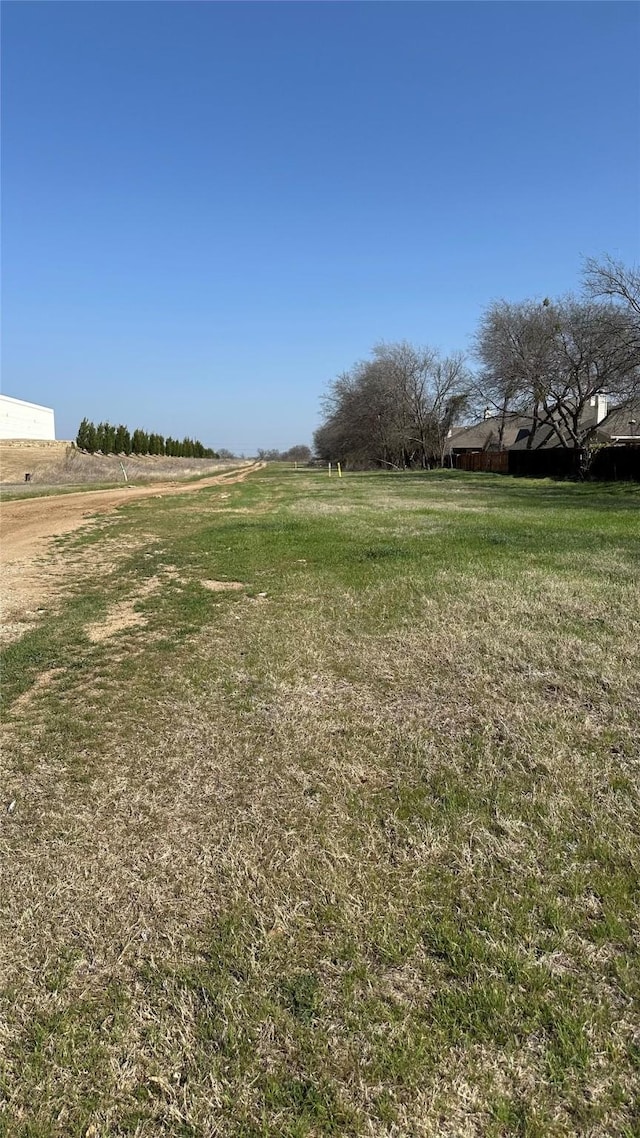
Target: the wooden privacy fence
(491, 461)
(609, 463)
(554, 462)
(616, 464)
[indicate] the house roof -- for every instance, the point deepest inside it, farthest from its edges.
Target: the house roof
(614, 425)
(485, 435)
(621, 422)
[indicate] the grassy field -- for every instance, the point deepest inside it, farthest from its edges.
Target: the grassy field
(321, 816)
(13, 493)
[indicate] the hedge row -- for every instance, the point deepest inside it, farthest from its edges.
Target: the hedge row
(120, 440)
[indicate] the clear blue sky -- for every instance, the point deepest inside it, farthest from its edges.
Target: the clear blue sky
(212, 209)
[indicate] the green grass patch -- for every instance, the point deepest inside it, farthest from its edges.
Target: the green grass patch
(325, 820)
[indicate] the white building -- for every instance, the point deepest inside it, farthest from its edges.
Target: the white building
(21, 420)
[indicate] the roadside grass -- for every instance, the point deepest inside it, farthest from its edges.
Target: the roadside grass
(9, 492)
(348, 850)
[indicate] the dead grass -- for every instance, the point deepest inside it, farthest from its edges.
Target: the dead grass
(358, 860)
(43, 681)
(62, 464)
(221, 586)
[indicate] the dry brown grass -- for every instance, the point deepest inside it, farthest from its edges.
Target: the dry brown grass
(354, 860)
(62, 464)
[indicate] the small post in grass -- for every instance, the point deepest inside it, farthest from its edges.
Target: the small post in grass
(339, 470)
(329, 470)
(124, 472)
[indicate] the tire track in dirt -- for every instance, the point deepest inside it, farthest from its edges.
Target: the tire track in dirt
(29, 526)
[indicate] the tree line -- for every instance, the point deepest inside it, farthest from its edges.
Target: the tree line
(299, 453)
(109, 439)
(544, 361)
(395, 409)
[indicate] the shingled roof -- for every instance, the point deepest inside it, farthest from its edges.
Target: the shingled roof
(614, 426)
(486, 434)
(516, 430)
(621, 423)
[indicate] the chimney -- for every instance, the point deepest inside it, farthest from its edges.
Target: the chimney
(601, 406)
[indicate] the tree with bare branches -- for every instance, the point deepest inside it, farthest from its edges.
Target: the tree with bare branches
(549, 361)
(395, 409)
(611, 278)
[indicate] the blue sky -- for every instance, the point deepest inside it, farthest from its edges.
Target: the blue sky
(210, 210)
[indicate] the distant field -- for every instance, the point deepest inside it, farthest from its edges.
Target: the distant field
(59, 464)
(321, 815)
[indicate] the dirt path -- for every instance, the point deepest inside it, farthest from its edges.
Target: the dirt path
(28, 526)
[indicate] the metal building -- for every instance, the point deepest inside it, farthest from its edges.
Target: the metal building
(21, 420)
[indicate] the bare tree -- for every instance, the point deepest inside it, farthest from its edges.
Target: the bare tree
(449, 398)
(299, 453)
(608, 277)
(547, 362)
(408, 371)
(394, 410)
(514, 345)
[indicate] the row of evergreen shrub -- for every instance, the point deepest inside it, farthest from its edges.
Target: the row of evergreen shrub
(120, 440)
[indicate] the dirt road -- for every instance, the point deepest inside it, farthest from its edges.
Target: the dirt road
(28, 526)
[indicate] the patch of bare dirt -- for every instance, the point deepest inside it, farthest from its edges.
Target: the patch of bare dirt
(121, 616)
(31, 572)
(26, 585)
(44, 680)
(221, 586)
